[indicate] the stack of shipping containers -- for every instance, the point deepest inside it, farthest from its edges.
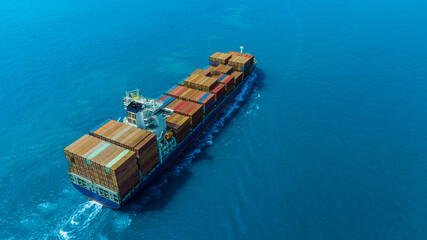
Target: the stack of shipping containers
(219, 92)
(104, 163)
(227, 81)
(180, 125)
(238, 77)
(222, 69)
(117, 155)
(206, 86)
(192, 110)
(207, 100)
(219, 58)
(142, 142)
(201, 82)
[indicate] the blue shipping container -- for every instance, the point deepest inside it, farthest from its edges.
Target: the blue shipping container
(220, 79)
(203, 98)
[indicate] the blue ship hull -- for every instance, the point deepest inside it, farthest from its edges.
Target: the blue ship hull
(173, 155)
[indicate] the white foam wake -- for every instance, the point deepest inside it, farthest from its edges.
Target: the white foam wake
(205, 139)
(72, 226)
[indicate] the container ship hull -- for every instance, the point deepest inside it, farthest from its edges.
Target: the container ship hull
(157, 170)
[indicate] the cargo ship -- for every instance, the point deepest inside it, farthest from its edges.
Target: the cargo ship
(117, 159)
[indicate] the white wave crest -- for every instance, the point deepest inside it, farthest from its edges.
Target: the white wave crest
(64, 235)
(80, 219)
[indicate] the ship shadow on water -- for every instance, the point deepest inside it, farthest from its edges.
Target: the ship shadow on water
(160, 192)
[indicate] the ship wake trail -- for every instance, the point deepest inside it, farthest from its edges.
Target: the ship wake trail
(153, 191)
(75, 226)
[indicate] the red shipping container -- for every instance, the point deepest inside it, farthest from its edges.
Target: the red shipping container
(181, 106)
(219, 76)
(181, 91)
(227, 79)
(219, 91)
(198, 96)
(191, 108)
(176, 91)
(162, 98)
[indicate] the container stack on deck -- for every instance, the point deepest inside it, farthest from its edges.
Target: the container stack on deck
(142, 142)
(219, 58)
(219, 92)
(225, 70)
(192, 110)
(222, 69)
(203, 88)
(175, 92)
(180, 125)
(192, 95)
(106, 164)
(201, 82)
(204, 72)
(238, 77)
(239, 63)
(149, 154)
(165, 99)
(227, 81)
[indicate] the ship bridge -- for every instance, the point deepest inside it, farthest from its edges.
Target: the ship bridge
(148, 114)
(145, 113)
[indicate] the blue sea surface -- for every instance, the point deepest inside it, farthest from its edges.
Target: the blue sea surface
(329, 141)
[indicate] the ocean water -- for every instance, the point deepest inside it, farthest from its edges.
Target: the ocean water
(327, 141)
